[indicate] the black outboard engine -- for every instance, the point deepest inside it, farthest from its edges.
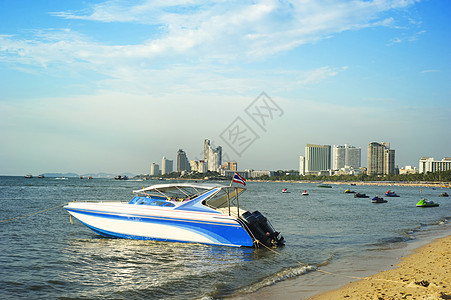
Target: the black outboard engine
(261, 230)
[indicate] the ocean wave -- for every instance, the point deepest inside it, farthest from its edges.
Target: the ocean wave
(276, 278)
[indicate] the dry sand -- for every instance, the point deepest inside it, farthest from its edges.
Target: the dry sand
(425, 274)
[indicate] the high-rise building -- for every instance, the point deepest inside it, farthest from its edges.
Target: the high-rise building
(353, 157)
(301, 165)
(389, 161)
(154, 169)
(212, 156)
(346, 156)
(428, 164)
(381, 159)
(166, 165)
(317, 158)
(182, 161)
(206, 149)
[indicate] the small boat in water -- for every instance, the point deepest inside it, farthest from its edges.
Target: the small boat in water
(284, 191)
(120, 177)
(304, 193)
(390, 194)
(378, 199)
(360, 195)
(348, 191)
(180, 212)
(41, 176)
(28, 176)
(324, 186)
(444, 194)
(425, 203)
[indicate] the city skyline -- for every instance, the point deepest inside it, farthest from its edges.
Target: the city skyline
(113, 86)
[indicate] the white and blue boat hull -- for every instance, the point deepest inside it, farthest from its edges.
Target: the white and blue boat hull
(124, 221)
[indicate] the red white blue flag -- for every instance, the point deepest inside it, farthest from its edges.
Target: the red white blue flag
(239, 179)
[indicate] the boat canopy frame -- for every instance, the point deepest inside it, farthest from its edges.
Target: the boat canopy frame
(223, 197)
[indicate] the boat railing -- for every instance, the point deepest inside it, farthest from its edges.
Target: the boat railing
(100, 201)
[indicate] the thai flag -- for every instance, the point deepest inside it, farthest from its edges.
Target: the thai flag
(237, 178)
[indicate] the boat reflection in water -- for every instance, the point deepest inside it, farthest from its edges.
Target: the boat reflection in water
(180, 212)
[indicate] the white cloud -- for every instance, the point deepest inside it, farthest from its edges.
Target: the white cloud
(429, 71)
(193, 41)
(218, 27)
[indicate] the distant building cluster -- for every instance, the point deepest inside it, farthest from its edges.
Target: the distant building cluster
(325, 160)
(318, 160)
(212, 161)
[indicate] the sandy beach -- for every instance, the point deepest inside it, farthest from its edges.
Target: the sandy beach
(425, 274)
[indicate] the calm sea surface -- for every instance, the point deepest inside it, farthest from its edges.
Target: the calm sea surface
(44, 256)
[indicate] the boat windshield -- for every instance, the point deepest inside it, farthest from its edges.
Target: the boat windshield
(224, 196)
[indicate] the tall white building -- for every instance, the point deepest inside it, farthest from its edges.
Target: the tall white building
(317, 158)
(301, 165)
(154, 169)
(428, 164)
(346, 156)
(212, 156)
(166, 165)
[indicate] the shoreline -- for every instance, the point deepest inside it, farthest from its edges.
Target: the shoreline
(373, 183)
(424, 274)
(339, 274)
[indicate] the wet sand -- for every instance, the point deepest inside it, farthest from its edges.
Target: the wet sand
(425, 274)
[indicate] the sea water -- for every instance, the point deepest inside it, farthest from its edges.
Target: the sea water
(43, 255)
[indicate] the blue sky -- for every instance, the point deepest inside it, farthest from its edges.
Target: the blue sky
(90, 86)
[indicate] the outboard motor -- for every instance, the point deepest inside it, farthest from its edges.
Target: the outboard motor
(262, 230)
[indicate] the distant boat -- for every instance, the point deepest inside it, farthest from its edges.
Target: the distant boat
(378, 199)
(324, 186)
(359, 195)
(304, 193)
(285, 191)
(89, 177)
(61, 178)
(28, 176)
(444, 194)
(348, 191)
(120, 177)
(41, 176)
(390, 194)
(81, 177)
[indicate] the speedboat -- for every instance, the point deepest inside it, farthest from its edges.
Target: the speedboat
(378, 199)
(444, 194)
(391, 194)
(28, 176)
(426, 203)
(304, 193)
(359, 195)
(179, 212)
